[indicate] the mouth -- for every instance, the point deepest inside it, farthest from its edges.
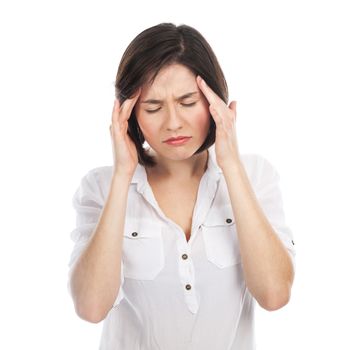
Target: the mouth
(180, 140)
(177, 138)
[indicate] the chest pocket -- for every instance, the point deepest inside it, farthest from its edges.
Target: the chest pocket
(143, 251)
(220, 237)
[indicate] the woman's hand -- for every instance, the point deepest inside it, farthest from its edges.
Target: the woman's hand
(124, 149)
(226, 147)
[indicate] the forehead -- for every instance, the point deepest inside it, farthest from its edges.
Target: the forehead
(175, 79)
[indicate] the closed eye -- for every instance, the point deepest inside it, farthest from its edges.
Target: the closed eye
(183, 104)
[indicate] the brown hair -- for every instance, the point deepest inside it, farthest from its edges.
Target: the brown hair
(155, 48)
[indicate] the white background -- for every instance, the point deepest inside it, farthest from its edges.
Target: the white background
(286, 64)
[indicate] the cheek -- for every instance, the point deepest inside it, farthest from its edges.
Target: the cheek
(145, 123)
(201, 118)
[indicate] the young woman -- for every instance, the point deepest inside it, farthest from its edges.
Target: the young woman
(176, 240)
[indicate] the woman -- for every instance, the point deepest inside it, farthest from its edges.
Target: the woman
(177, 240)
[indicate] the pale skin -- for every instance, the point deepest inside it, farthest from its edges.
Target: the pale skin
(172, 116)
(165, 109)
(267, 266)
(95, 278)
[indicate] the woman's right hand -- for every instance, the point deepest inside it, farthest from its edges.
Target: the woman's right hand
(124, 149)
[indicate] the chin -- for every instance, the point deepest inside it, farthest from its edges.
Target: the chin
(177, 154)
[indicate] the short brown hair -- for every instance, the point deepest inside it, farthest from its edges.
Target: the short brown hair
(155, 48)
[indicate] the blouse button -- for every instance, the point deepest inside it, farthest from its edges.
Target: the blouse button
(188, 286)
(134, 234)
(228, 221)
(184, 256)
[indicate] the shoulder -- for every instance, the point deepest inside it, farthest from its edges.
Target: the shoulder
(255, 164)
(101, 173)
(258, 167)
(97, 180)
(255, 160)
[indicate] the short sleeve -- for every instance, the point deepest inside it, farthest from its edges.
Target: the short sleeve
(88, 203)
(270, 198)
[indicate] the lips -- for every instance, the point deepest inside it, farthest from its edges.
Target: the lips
(177, 138)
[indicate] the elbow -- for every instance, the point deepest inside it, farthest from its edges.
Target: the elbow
(278, 294)
(93, 310)
(275, 299)
(90, 304)
(89, 313)
(89, 309)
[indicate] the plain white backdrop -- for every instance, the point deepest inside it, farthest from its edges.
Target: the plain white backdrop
(287, 66)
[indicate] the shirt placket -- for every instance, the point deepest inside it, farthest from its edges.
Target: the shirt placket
(205, 196)
(206, 193)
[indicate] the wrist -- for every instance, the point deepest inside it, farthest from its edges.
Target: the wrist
(121, 178)
(234, 166)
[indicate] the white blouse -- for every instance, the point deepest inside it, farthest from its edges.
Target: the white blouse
(179, 295)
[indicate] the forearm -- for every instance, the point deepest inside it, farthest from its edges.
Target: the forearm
(95, 278)
(266, 264)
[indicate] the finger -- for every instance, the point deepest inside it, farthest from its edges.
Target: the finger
(129, 104)
(232, 107)
(216, 116)
(113, 131)
(210, 95)
(116, 126)
(121, 113)
(116, 110)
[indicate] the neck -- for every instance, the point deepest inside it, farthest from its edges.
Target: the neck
(184, 170)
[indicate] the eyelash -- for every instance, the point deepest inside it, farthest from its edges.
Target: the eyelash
(185, 105)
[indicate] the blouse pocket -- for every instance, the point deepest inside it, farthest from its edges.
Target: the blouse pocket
(143, 251)
(220, 238)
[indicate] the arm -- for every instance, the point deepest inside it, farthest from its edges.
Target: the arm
(95, 277)
(267, 266)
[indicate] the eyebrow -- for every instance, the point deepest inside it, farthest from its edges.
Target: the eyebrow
(156, 102)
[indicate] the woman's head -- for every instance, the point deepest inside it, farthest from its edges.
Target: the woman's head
(153, 51)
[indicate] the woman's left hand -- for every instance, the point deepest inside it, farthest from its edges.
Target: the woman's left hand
(226, 146)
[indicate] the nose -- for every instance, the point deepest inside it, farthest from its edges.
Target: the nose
(173, 121)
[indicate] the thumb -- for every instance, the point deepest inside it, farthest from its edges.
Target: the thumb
(232, 106)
